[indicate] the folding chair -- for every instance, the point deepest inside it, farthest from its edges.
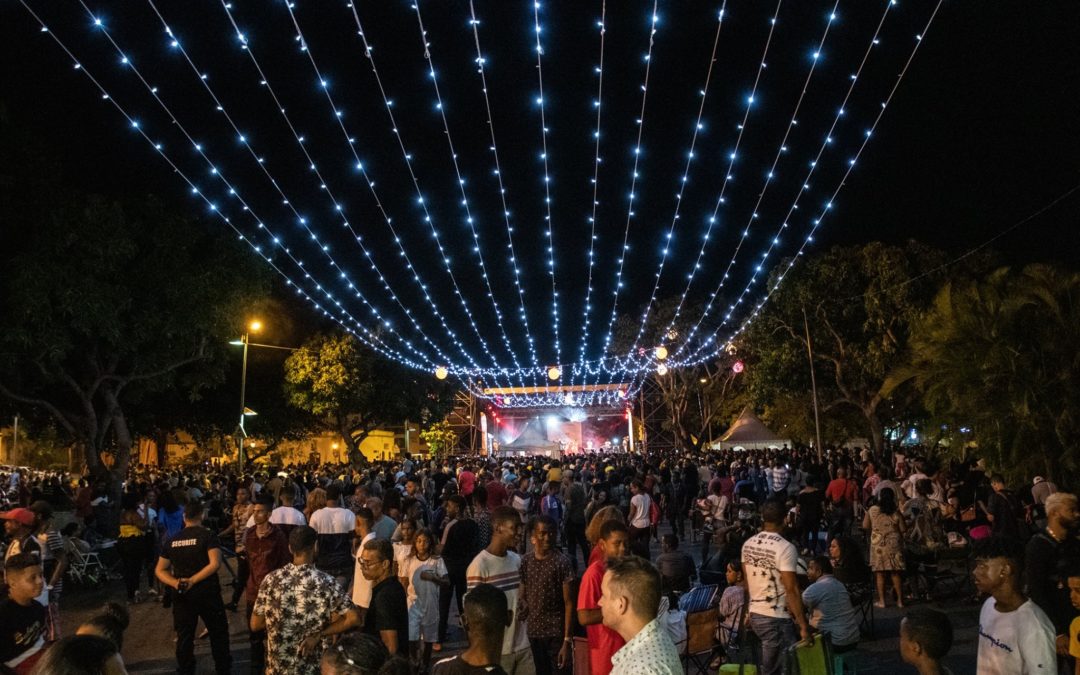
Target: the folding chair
(85, 569)
(862, 599)
(700, 643)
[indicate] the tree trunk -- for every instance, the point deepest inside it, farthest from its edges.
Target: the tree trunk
(877, 433)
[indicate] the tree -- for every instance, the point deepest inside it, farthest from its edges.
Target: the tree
(1001, 356)
(106, 304)
(336, 378)
(440, 437)
(697, 398)
(858, 304)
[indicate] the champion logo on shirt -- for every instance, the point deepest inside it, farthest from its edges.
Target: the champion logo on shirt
(994, 641)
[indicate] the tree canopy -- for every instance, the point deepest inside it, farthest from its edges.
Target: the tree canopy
(1000, 356)
(106, 304)
(336, 378)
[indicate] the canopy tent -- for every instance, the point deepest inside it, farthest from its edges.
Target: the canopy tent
(531, 441)
(750, 433)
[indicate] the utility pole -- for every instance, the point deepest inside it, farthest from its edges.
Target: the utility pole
(813, 384)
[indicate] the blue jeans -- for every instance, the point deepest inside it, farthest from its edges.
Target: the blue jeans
(776, 635)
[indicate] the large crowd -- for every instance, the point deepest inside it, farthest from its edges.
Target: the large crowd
(579, 565)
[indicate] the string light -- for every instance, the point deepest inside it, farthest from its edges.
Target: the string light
(286, 200)
(480, 62)
(708, 349)
(728, 173)
(637, 364)
(624, 251)
(338, 114)
(548, 222)
(598, 104)
(460, 181)
(370, 338)
(667, 242)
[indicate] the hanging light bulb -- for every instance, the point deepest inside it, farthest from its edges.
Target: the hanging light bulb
(660, 353)
(661, 369)
(554, 373)
(441, 372)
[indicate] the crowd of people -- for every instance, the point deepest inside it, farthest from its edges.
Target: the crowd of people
(355, 569)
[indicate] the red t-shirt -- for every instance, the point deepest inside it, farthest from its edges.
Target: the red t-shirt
(466, 482)
(496, 495)
(603, 642)
(841, 491)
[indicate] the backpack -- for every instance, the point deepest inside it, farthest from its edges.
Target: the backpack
(654, 512)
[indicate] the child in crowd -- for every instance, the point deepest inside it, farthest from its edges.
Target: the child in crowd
(22, 617)
(421, 573)
(926, 636)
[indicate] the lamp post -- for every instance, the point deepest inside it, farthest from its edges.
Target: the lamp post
(253, 327)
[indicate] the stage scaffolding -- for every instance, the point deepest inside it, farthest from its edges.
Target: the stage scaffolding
(658, 431)
(463, 419)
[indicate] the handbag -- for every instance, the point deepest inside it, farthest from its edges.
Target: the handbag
(809, 657)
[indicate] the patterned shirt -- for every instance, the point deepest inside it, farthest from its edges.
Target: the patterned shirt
(650, 652)
(542, 585)
(296, 602)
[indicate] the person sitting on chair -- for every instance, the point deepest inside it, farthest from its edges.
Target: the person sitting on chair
(830, 606)
(676, 568)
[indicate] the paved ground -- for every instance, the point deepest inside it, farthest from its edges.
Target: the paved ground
(148, 645)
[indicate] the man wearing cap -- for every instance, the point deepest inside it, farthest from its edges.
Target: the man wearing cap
(19, 526)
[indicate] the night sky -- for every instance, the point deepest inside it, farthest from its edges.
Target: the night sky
(983, 131)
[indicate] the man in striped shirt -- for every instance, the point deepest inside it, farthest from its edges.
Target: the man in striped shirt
(499, 566)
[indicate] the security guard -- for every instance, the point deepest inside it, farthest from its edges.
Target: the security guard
(189, 564)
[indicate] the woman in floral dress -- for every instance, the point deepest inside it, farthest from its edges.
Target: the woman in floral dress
(886, 526)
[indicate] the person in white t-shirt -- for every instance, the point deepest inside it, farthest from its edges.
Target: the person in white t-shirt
(769, 562)
(638, 522)
(361, 590)
(1015, 635)
(499, 566)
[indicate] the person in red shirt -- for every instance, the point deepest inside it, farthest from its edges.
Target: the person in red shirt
(603, 641)
(842, 493)
(466, 481)
(496, 494)
(267, 550)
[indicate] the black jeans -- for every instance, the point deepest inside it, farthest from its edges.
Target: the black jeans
(575, 538)
(545, 653)
(257, 639)
(202, 602)
(132, 552)
(639, 541)
(243, 570)
(457, 586)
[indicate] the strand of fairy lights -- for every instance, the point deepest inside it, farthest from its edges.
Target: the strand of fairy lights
(213, 208)
(805, 185)
(598, 104)
(547, 185)
(440, 106)
(496, 372)
(728, 173)
(698, 126)
(325, 186)
(480, 61)
(769, 175)
(232, 191)
(624, 250)
(816, 222)
(338, 115)
(300, 219)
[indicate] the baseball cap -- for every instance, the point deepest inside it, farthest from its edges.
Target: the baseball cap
(20, 515)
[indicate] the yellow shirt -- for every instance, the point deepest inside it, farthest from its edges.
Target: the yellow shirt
(1074, 637)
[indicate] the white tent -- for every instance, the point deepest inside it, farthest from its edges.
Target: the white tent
(750, 433)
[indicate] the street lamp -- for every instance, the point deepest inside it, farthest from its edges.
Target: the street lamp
(253, 326)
